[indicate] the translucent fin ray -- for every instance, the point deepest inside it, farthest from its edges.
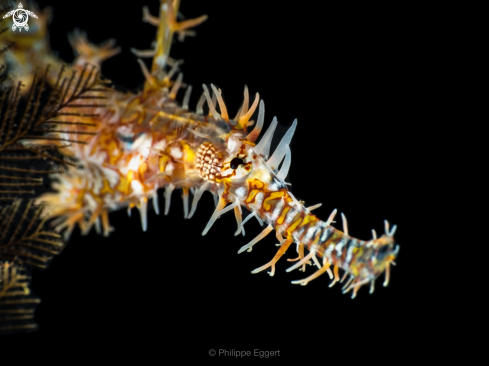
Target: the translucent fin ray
(253, 135)
(263, 147)
(282, 147)
(284, 169)
(168, 191)
(196, 199)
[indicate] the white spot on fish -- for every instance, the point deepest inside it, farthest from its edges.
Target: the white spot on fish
(278, 209)
(169, 168)
(240, 192)
(259, 200)
(176, 152)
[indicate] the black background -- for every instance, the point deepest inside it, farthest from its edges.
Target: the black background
(357, 79)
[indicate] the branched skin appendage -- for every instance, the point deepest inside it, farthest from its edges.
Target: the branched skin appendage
(30, 51)
(136, 144)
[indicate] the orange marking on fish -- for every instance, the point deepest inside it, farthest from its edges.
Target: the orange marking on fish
(251, 196)
(308, 219)
(281, 218)
(143, 168)
(125, 184)
(257, 184)
(106, 188)
(273, 196)
(294, 224)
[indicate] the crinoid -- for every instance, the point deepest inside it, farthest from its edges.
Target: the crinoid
(31, 127)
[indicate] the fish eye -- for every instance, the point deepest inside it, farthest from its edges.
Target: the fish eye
(236, 162)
